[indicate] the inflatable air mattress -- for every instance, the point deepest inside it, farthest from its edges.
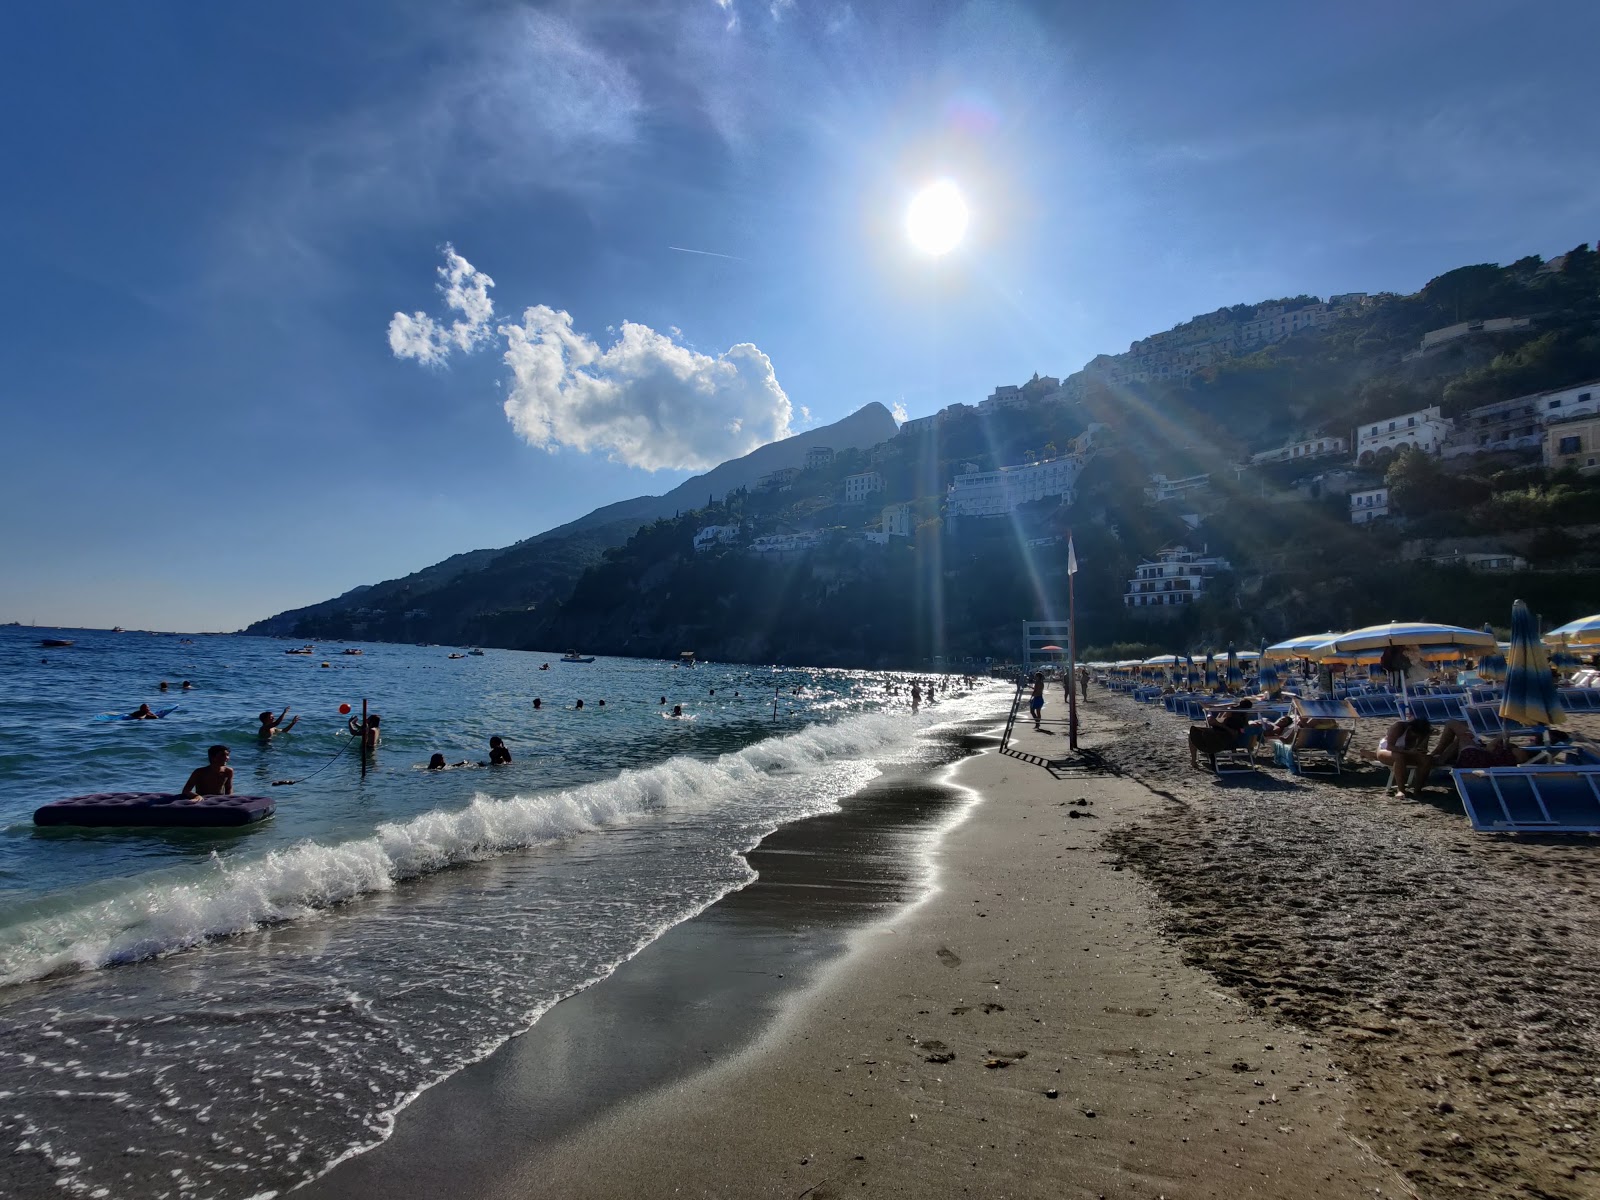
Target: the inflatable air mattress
(154, 808)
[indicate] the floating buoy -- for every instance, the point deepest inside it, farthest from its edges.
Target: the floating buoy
(326, 664)
(344, 710)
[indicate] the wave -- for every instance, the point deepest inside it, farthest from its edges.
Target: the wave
(235, 897)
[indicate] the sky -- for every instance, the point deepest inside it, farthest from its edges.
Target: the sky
(303, 296)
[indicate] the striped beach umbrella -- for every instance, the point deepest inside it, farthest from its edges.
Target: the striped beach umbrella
(1211, 670)
(1193, 673)
(1235, 676)
(1530, 691)
(1308, 646)
(1585, 631)
(1267, 677)
(1411, 633)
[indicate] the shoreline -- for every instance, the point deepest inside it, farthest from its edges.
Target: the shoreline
(715, 981)
(954, 1045)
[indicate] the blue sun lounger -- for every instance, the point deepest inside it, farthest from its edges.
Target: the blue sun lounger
(1556, 799)
(1437, 709)
(1376, 704)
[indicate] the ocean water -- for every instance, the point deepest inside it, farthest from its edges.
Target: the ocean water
(227, 1013)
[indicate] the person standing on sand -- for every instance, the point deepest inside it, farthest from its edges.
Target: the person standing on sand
(1036, 704)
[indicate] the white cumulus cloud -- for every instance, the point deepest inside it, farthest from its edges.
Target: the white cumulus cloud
(646, 400)
(466, 291)
(899, 413)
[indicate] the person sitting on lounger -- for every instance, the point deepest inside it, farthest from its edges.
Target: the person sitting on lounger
(1404, 749)
(1222, 731)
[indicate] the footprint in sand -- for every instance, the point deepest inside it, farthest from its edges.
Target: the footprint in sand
(949, 957)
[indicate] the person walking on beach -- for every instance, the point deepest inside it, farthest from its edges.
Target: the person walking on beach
(213, 779)
(1036, 704)
(1083, 681)
(271, 725)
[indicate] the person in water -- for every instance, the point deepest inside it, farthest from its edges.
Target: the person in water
(663, 700)
(499, 753)
(143, 713)
(579, 704)
(538, 703)
(677, 710)
(602, 704)
(271, 725)
(213, 779)
(187, 686)
(369, 738)
(163, 685)
(437, 763)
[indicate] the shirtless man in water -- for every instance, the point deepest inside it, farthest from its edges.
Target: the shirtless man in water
(213, 779)
(271, 725)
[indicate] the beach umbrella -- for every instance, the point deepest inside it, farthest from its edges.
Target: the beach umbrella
(1585, 631)
(1235, 676)
(1530, 691)
(1300, 647)
(1410, 633)
(1193, 672)
(1563, 659)
(1211, 670)
(1267, 679)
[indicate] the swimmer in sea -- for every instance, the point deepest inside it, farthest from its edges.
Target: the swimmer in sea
(499, 754)
(163, 685)
(579, 704)
(213, 779)
(437, 763)
(370, 739)
(187, 686)
(538, 703)
(142, 713)
(677, 710)
(271, 725)
(663, 700)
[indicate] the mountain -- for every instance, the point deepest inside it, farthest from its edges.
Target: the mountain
(486, 596)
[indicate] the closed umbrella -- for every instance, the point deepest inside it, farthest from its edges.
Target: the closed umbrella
(1211, 670)
(1235, 676)
(1267, 678)
(1193, 672)
(1530, 691)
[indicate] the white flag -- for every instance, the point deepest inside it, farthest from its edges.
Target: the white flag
(1072, 557)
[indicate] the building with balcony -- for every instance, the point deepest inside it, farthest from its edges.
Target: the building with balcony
(858, 487)
(1424, 430)
(997, 493)
(714, 535)
(1368, 504)
(818, 456)
(1315, 447)
(1162, 489)
(1176, 576)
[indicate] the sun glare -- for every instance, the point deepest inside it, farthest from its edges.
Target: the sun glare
(937, 218)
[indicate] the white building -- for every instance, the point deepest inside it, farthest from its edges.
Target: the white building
(897, 520)
(858, 487)
(1435, 338)
(1424, 430)
(712, 535)
(1519, 423)
(1176, 576)
(1368, 504)
(1274, 322)
(996, 493)
(818, 456)
(1494, 561)
(1309, 448)
(1162, 489)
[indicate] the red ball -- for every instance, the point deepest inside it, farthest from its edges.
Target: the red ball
(343, 709)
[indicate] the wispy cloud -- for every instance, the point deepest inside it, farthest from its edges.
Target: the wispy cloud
(646, 400)
(708, 253)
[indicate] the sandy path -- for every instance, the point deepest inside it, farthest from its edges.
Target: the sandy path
(1026, 1031)
(1454, 973)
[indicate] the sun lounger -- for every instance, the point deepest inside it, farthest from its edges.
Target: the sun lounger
(1485, 721)
(1485, 695)
(1376, 704)
(1579, 699)
(1555, 799)
(1437, 709)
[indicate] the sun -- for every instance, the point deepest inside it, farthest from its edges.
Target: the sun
(936, 221)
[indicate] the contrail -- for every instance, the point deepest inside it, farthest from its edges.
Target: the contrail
(707, 253)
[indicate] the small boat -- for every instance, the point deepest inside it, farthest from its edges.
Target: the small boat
(118, 629)
(457, 656)
(350, 652)
(53, 642)
(544, 666)
(302, 650)
(475, 652)
(572, 656)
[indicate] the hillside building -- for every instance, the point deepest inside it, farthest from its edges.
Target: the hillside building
(1573, 442)
(818, 456)
(1176, 576)
(1274, 322)
(777, 481)
(1424, 430)
(858, 487)
(1316, 447)
(714, 535)
(1368, 504)
(784, 543)
(897, 520)
(997, 493)
(1162, 489)
(1434, 339)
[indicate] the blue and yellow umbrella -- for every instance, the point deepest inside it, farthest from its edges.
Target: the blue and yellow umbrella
(1235, 676)
(1585, 631)
(1530, 690)
(1211, 670)
(1192, 672)
(1267, 676)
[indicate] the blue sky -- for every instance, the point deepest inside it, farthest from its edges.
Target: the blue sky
(212, 214)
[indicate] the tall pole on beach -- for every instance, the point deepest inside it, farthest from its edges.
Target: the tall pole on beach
(363, 737)
(1072, 647)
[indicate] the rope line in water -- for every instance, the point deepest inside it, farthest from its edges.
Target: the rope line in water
(318, 771)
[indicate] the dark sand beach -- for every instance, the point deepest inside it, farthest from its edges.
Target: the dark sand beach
(1265, 987)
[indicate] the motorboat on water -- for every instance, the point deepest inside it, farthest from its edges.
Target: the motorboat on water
(572, 656)
(54, 642)
(455, 655)
(475, 652)
(302, 650)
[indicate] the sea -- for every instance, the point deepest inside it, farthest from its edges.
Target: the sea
(226, 1013)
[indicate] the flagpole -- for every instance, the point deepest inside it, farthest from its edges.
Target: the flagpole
(1072, 647)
